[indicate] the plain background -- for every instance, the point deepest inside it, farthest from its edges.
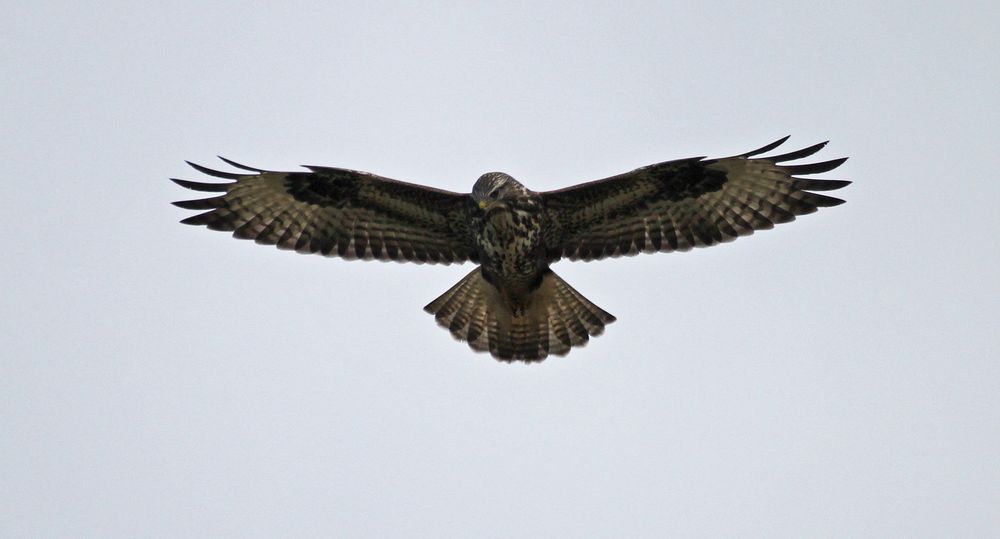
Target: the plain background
(837, 376)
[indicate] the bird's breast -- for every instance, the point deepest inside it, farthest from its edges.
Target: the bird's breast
(509, 243)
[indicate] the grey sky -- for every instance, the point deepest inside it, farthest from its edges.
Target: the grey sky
(834, 377)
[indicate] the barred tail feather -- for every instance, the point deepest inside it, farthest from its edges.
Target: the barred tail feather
(555, 318)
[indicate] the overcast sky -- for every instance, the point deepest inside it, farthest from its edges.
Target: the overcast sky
(837, 376)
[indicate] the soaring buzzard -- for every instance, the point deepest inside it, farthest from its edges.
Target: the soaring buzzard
(512, 304)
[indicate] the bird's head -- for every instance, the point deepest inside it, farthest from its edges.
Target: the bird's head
(495, 188)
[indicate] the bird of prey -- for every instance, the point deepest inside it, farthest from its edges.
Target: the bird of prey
(512, 304)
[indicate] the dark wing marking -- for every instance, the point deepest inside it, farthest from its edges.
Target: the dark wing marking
(677, 205)
(337, 212)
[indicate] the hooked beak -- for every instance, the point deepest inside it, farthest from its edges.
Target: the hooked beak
(489, 206)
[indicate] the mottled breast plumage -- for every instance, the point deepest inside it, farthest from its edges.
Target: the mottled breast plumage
(508, 232)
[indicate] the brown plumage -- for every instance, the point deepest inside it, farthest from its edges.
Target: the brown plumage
(513, 305)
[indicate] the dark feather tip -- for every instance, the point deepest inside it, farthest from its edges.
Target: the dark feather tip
(216, 173)
(239, 166)
(804, 152)
(822, 201)
(767, 148)
(815, 168)
(199, 186)
(818, 185)
(200, 204)
(200, 219)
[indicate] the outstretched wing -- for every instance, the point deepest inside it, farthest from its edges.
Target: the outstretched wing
(677, 205)
(337, 212)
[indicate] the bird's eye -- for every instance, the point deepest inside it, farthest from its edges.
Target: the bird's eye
(494, 193)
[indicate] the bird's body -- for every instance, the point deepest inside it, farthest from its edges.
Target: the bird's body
(509, 238)
(513, 305)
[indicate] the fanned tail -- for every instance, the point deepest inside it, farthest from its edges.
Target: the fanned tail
(554, 319)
